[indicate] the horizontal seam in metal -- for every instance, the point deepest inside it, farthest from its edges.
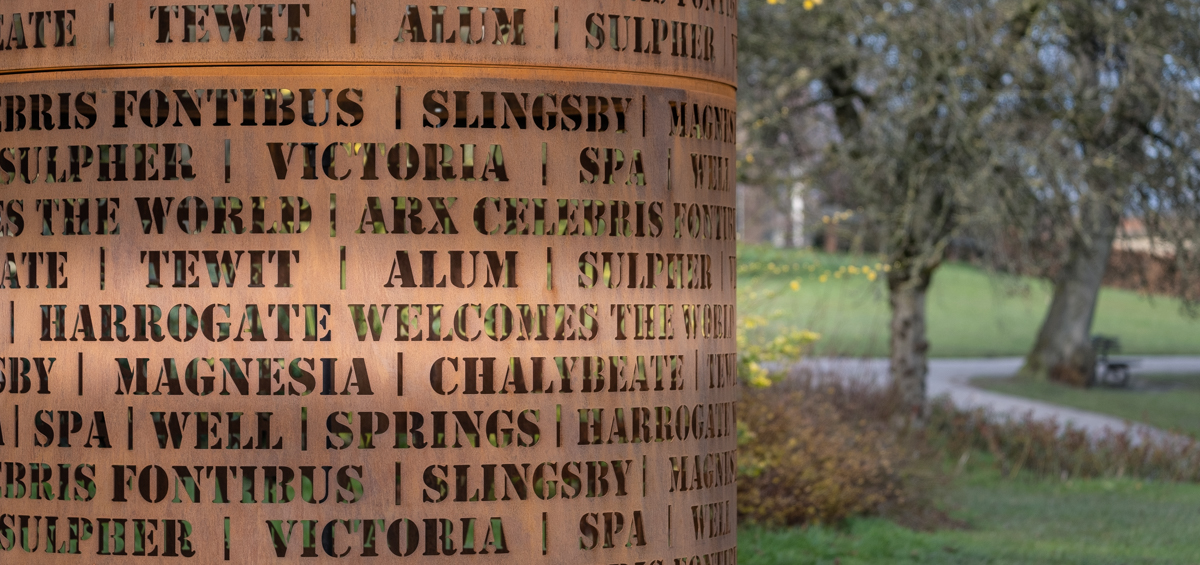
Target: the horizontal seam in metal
(353, 64)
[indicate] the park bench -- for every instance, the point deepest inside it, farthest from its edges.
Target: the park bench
(1108, 372)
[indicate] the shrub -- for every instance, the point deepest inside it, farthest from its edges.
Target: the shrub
(819, 451)
(1045, 448)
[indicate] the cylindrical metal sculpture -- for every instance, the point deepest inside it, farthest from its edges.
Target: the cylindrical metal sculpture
(368, 279)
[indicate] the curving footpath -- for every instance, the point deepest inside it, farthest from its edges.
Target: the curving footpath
(952, 377)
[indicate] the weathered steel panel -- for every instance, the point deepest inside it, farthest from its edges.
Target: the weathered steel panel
(696, 38)
(348, 297)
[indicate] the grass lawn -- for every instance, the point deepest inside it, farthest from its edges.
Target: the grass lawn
(1025, 521)
(1170, 402)
(971, 313)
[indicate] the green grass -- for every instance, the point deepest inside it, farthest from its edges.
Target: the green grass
(971, 313)
(1169, 402)
(1024, 521)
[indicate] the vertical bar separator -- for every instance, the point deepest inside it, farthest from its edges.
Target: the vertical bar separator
(303, 428)
(669, 169)
(643, 476)
(332, 214)
(399, 374)
(343, 252)
(396, 481)
(398, 107)
(669, 544)
(643, 115)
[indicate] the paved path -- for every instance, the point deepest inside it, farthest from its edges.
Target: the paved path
(952, 377)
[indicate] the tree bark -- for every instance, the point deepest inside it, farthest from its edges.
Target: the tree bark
(909, 343)
(789, 223)
(1063, 350)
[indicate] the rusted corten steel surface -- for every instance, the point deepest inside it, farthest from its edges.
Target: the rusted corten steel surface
(366, 279)
(693, 38)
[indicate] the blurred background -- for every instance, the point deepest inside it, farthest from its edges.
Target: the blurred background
(968, 281)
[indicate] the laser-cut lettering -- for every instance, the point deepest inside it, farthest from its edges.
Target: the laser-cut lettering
(192, 23)
(651, 36)
(45, 481)
(519, 360)
(243, 377)
(475, 26)
(133, 537)
(607, 530)
(108, 163)
(37, 30)
(32, 270)
(48, 112)
(705, 122)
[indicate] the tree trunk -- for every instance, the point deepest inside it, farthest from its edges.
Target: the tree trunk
(831, 238)
(909, 343)
(789, 228)
(789, 219)
(1063, 350)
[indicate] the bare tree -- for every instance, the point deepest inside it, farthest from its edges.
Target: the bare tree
(923, 119)
(1118, 86)
(796, 144)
